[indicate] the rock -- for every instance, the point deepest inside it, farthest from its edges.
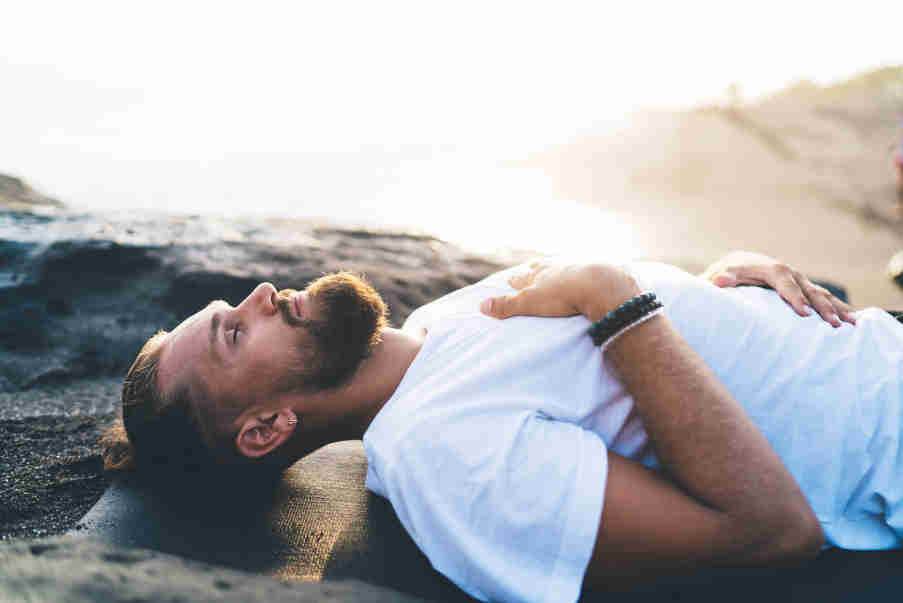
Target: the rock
(81, 293)
(15, 194)
(80, 570)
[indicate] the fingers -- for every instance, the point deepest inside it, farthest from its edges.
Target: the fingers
(526, 302)
(822, 304)
(844, 310)
(502, 306)
(750, 274)
(798, 291)
(724, 279)
(791, 286)
(833, 310)
(519, 281)
(525, 279)
(802, 293)
(847, 316)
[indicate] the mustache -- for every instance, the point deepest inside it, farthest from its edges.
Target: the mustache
(284, 303)
(321, 330)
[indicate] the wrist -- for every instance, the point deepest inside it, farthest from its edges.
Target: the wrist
(607, 292)
(638, 338)
(628, 315)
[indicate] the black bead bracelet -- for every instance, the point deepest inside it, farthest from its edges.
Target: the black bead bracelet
(628, 314)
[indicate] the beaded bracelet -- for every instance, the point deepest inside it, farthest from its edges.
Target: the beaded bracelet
(626, 316)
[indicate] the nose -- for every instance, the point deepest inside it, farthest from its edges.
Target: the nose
(261, 299)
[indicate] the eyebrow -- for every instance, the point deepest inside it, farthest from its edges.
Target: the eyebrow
(214, 328)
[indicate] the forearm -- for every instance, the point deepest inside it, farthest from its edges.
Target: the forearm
(708, 444)
(733, 502)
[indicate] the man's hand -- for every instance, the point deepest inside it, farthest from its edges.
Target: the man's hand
(747, 268)
(733, 503)
(550, 289)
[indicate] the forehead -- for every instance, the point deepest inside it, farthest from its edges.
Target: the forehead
(186, 351)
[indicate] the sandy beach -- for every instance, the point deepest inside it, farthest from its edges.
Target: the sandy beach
(804, 175)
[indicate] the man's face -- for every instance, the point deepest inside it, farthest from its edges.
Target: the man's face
(273, 344)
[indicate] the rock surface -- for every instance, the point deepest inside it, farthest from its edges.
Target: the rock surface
(79, 295)
(15, 194)
(66, 569)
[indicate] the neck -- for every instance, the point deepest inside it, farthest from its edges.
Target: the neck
(346, 412)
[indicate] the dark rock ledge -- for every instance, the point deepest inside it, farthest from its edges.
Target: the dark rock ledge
(66, 569)
(79, 295)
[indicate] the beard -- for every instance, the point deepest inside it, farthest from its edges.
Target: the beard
(350, 316)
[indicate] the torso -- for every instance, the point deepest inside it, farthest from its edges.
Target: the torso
(827, 399)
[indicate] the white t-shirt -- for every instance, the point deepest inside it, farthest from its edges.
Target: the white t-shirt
(492, 450)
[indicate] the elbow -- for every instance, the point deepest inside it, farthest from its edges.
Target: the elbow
(798, 541)
(790, 538)
(810, 542)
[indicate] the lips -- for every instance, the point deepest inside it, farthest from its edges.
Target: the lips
(298, 304)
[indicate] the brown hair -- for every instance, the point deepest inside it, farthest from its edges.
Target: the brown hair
(353, 317)
(159, 429)
(155, 428)
(170, 429)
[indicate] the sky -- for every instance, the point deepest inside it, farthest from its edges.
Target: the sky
(304, 106)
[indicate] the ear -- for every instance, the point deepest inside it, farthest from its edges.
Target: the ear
(263, 432)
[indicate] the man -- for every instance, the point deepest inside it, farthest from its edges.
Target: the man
(518, 456)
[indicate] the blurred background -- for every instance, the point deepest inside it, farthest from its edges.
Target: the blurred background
(675, 131)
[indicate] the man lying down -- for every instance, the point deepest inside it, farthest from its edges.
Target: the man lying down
(552, 427)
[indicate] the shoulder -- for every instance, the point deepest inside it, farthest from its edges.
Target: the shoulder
(465, 299)
(506, 506)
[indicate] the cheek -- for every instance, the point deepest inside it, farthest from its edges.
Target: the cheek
(279, 352)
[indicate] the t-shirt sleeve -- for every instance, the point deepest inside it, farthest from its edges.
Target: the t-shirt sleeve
(507, 509)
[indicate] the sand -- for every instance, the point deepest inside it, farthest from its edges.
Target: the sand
(805, 176)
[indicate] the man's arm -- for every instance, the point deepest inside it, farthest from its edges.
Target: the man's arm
(731, 502)
(748, 268)
(737, 504)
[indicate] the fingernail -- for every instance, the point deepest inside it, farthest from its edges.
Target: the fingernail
(807, 310)
(486, 306)
(724, 279)
(836, 320)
